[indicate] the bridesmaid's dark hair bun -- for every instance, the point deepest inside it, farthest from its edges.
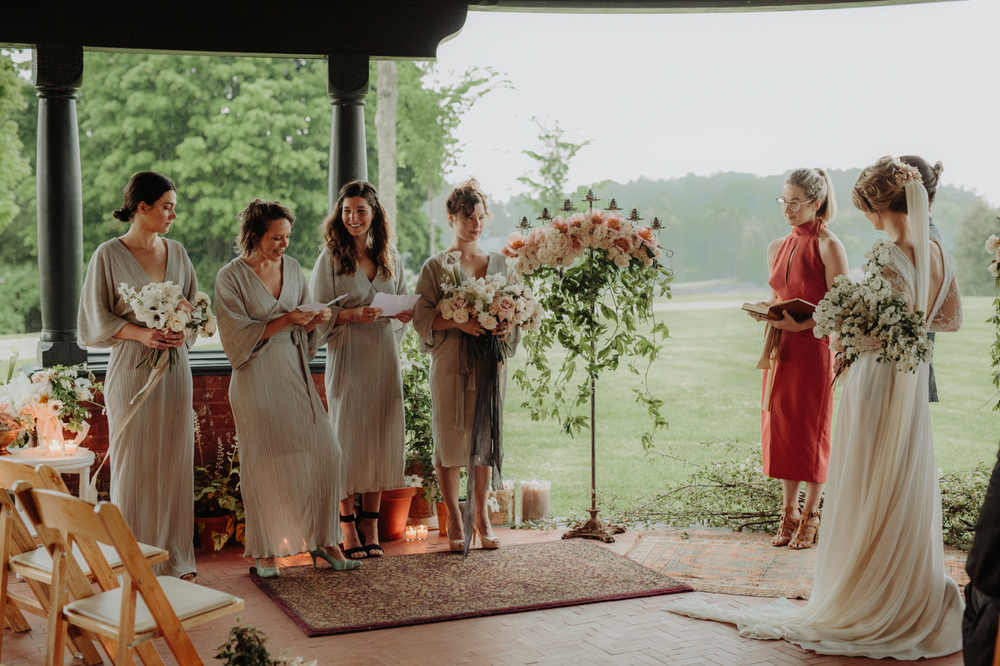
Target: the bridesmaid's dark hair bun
(254, 221)
(145, 186)
(463, 199)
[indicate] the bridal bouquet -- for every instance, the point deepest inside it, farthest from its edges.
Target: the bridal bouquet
(58, 393)
(495, 301)
(560, 243)
(161, 305)
(869, 316)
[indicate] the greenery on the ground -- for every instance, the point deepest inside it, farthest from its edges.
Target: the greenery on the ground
(245, 647)
(711, 391)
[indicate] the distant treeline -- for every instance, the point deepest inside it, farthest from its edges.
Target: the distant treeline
(719, 226)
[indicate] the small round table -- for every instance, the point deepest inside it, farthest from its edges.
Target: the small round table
(78, 463)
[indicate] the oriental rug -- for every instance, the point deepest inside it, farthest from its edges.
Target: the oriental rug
(743, 563)
(433, 587)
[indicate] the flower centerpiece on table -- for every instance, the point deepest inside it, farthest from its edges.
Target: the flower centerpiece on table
(871, 316)
(12, 422)
(161, 305)
(53, 399)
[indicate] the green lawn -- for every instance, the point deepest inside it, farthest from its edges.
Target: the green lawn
(711, 389)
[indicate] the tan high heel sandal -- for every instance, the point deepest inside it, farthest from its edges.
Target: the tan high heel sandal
(786, 526)
(808, 532)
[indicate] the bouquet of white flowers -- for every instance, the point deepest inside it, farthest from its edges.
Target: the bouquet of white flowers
(161, 305)
(496, 301)
(51, 399)
(868, 316)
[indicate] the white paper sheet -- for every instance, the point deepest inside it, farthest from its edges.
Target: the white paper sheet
(316, 307)
(393, 304)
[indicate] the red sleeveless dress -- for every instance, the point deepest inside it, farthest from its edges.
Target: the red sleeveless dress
(795, 426)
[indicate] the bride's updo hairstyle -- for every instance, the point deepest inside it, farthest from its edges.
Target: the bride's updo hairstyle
(254, 221)
(882, 186)
(929, 174)
(818, 187)
(463, 200)
(145, 186)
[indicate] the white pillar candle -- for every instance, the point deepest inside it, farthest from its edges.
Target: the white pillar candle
(535, 499)
(410, 533)
(421, 532)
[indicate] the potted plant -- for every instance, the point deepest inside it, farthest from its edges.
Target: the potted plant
(419, 440)
(245, 647)
(218, 504)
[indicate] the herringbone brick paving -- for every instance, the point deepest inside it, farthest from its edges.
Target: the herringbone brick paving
(634, 631)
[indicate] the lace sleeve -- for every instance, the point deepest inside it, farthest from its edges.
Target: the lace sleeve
(899, 286)
(949, 317)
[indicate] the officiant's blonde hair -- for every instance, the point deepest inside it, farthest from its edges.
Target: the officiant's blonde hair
(816, 185)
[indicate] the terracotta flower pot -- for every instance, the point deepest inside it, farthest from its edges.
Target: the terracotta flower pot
(213, 525)
(442, 512)
(393, 512)
(422, 505)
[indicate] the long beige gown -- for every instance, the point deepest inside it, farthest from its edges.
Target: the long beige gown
(453, 378)
(364, 384)
(152, 456)
(289, 456)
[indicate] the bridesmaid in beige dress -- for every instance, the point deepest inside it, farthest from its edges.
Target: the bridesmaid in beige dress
(453, 383)
(364, 385)
(289, 456)
(151, 441)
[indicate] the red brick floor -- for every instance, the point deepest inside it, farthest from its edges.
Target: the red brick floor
(634, 631)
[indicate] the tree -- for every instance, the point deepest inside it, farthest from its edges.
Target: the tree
(385, 135)
(549, 186)
(969, 256)
(14, 167)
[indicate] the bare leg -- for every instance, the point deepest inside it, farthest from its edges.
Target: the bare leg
(814, 491)
(808, 530)
(449, 479)
(352, 539)
(790, 512)
(483, 477)
(370, 503)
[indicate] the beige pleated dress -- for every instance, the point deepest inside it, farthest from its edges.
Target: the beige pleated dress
(152, 454)
(364, 385)
(452, 377)
(290, 471)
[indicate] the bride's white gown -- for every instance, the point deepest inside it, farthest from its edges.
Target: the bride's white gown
(880, 588)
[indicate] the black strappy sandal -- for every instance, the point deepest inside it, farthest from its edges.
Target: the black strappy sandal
(371, 549)
(351, 552)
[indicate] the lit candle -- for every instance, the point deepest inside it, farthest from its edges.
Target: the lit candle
(55, 447)
(69, 447)
(421, 532)
(411, 533)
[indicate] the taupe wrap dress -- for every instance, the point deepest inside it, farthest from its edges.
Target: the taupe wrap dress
(152, 455)
(290, 471)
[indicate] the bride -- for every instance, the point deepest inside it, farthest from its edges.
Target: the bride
(880, 588)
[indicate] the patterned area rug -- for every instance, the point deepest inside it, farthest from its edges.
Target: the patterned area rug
(743, 563)
(434, 587)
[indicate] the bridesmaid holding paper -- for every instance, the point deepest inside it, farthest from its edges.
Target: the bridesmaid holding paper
(364, 386)
(290, 461)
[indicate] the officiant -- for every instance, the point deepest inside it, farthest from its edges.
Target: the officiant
(364, 386)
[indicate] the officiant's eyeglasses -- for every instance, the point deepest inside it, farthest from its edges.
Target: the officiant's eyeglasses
(792, 205)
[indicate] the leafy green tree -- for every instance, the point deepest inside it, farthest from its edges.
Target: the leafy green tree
(549, 185)
(969, 255)
(14, 167)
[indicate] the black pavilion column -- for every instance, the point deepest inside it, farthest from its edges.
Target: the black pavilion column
(57, 73)
(347, 86)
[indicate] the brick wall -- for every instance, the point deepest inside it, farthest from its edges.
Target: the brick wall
(215, 419)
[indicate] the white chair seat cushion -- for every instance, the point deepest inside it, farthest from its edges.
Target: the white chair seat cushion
(40, 560)
(30, 525)
(187, 599)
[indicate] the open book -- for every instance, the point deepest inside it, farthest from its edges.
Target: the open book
(799, 309)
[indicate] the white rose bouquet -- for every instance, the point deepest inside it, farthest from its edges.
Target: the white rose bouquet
(496, 301)
(55, 396)
(869, 316)
(161, 305)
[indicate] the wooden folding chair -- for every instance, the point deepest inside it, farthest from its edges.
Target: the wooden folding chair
(142, 608)
(21, 553)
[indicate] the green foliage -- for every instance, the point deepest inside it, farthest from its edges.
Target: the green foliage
(245, 647)
(417, 407)
(552, 164)
(217, 488)
(21, 311)
(14, 168)
(599, 314)
(978, 224)
(962, 496)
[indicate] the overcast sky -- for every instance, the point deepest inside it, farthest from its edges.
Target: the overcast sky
(663, 95)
